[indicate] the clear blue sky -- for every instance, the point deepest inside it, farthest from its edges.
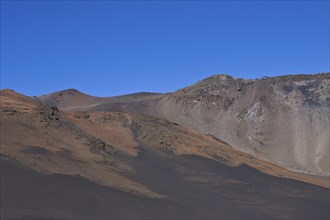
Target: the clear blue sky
(108, 48)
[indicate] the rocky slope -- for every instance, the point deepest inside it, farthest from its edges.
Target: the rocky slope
(283, 119)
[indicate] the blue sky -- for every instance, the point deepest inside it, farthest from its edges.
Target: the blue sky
(108, 48)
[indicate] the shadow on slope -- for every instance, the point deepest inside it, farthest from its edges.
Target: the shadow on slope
(208, 189)
(196, 188)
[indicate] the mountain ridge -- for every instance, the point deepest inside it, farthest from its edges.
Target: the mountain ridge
(281, 119)
(101, 164)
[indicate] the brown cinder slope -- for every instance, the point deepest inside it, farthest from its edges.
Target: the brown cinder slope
(124, 165)
(46, 140)
(282, 119)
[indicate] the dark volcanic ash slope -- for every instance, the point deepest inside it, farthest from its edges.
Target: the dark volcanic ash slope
(281, 119)
(93, 165)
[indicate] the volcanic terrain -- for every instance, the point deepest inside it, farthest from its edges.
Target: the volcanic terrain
(68, 155)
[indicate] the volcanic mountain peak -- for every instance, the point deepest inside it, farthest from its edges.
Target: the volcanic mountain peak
(71, 97)
(73, 92)
(70, 91)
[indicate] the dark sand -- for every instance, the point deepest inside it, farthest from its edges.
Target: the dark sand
(196, 188)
